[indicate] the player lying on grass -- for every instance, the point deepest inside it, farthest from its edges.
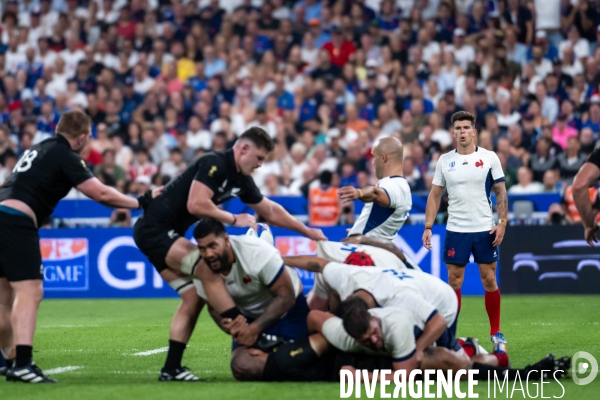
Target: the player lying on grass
(379, 287)
(262, 295)
(314, 359)
(395, 332)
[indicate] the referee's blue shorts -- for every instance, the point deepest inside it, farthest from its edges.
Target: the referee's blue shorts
(458, 247)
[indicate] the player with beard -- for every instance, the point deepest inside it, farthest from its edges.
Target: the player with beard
(263, 296)
(208, 181)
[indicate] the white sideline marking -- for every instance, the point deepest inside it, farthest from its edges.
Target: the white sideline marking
(60, 370)
(150, 352)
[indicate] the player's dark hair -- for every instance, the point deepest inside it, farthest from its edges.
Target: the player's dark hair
(355, 314)
(463, 116)
(207, 226)
(259, 137)
(73, 124)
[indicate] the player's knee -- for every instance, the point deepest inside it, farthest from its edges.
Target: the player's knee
(191, 302)
(489, 282)
(455, 279)
(245, 366)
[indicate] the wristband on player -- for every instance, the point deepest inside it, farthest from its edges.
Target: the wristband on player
(231, 313)
(145, 200)
(360, 193)
(234, 219)
(428, 226)
(503, 221)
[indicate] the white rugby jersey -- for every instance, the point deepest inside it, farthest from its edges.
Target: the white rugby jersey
(338, 252)
(469, 179)
(257, 266)
(399, 327)
(414, 290)
(385, 222)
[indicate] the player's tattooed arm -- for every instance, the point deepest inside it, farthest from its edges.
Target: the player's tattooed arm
(501, 200)
(308, 263)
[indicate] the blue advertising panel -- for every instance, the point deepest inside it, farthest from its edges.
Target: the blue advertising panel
(105, 262)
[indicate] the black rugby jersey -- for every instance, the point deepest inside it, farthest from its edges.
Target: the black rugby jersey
(45, 174)
(217, 171)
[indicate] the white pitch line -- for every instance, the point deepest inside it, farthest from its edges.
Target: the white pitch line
(150, 352)
(60, 370)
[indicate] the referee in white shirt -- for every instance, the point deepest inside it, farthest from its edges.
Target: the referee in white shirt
(469, 173)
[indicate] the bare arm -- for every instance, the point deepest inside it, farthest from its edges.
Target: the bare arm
(368, 194)
(502, 207)
(276, 215)
(214, 288)
(316, 319)
(376, 242)
(97, 191)
(587, 176)
(200, 204)
(432, 332)
(431, 210)
(307, 263)
(283, 300)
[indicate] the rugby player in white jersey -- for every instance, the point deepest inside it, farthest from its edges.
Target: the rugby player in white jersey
(470, 173)
(396, 332)
(415, 291)
(262, 297)
(388, 203)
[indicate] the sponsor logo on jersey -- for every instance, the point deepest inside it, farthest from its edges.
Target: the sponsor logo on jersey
(172, 234)
(222, 188)
(452, 165)
(294, 353)
(479, 164)
(212, 170)
(235, 191)
(465, 163)
(65, 264)
(451, 252)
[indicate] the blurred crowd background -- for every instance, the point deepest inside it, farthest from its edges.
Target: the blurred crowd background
(166, 81)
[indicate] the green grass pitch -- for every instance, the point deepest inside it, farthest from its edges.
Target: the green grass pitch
(103, 336)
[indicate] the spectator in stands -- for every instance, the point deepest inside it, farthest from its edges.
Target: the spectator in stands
(525, 184)
(551, 182)
(556, 215)
(571, 160)
(593, 120)
(174, 165)
(542, 160)
(109, 172)
(561, 132)
(10, 160)
(587, 141)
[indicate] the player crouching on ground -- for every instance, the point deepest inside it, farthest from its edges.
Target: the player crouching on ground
(262, 297)
(395, 331)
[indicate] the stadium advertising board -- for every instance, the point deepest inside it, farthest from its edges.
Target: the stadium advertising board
(557, 261)
(105, 263)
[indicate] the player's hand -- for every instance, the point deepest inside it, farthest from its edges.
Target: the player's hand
(234, 326)
(157, 191)
(426, 239)
(245, 220)
(590, 234)
(347, 194)
(419, 356)
(316, 234)
(247, 336)
(354, 239)
(499, 231)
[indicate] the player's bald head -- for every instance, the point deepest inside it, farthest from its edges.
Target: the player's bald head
(391, 146)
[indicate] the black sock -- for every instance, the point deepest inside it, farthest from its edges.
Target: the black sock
(174, 355)
(484, 369)
(24, 355)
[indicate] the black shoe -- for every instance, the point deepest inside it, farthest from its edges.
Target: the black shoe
(268, 343)
(29, 374)
(3, 371)
(550, 366)
(181, 374)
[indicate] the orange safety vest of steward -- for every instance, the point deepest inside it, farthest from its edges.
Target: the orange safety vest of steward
(323, 207)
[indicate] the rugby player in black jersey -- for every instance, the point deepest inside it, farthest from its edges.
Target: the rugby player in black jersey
(196, 193)
(588, 176)
(44, 174)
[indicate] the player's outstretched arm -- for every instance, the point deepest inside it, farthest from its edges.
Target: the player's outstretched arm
(375, 242)
(200, 204)
(432, 332)
(316, 319)
(307, 263)
(431, 210)
(276, 215)
(587, 176)
(368, 194)
(97, 191)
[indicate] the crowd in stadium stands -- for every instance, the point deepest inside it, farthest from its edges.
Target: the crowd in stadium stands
(166, 81)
